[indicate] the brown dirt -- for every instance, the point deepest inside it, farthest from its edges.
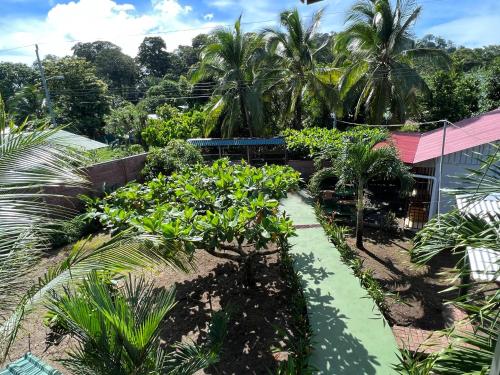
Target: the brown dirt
(214, 284)
(419, 287)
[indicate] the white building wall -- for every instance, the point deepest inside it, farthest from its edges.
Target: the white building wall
(456, 165)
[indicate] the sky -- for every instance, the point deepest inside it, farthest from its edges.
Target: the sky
(56, 25)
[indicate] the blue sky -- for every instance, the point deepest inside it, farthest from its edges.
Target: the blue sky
(56, 24)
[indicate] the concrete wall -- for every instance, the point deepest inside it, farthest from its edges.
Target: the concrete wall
(102, 177)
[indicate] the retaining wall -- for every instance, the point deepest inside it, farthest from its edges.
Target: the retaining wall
(104, 176)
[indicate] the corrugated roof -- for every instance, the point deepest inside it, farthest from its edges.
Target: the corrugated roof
(415, 148)
(216, 142)
(78, 141)
(29, 365)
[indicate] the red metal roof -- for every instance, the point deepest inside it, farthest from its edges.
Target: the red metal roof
(414, 147)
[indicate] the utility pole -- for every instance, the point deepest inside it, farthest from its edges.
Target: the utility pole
(440, 176)
(45, 88)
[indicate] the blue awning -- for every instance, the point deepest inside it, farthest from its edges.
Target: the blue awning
(217, 142)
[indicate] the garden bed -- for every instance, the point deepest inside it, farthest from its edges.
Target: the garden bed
(420, 288)
(252, 334)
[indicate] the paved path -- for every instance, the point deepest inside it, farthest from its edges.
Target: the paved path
(350, 335)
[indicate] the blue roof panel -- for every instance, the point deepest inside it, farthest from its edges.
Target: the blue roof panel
(216, 142)
(29, 365)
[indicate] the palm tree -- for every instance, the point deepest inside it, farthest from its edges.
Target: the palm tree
(378, 43)
(29, 162)
(294, 53)
(360, 162)
(118, 329)
(232, 60)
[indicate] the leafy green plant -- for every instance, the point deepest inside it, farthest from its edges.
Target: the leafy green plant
(230, 211)
(118, 329)
(299, 337)
(176, 155)
(310, 142)
(173, 124)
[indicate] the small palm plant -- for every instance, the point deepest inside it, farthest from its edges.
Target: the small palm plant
(118, 329)
(30, 161)
(359, 163)
(470, 352)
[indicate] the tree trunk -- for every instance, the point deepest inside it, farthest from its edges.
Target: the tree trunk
(298, 113)
(359, 216)
(244, 114)
(248, 271)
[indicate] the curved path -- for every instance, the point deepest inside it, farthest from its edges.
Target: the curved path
(350, 334)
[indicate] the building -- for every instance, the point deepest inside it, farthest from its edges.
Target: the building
(462, 145)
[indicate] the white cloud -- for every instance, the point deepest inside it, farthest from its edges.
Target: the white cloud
(90, 20)
(470, 31)
(208, 16)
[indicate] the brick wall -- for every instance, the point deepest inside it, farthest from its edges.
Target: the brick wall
(102, 177)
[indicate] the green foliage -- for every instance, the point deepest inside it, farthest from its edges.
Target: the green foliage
(300, 336)
(126, 123)
(293, 53)
(14, 76)
(173, 124)
(175, 156)
(310, 142)
(70, 231)
(101, 155)
(231, 211)
(153, 56)
(233, 60)
(380, 50)
(118, 330)
(80, 98)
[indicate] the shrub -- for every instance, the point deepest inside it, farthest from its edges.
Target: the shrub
(231, 211)
(173, 124)
(71, 231)
(310, 142)
(176, 155)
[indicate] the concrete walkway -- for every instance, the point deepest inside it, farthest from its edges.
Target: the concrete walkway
(350, 334)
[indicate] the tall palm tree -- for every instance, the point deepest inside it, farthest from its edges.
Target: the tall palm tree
(118, 330)
(29, 162)
(232, 60)
(360, 162)
(294, 50)
(379, 45)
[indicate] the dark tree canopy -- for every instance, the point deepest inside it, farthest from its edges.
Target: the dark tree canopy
(153, 56)
(80, 99)
(90, 51)
(13, 76)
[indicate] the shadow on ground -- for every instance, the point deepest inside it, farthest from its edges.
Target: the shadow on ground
(336, 350)
(255, 315)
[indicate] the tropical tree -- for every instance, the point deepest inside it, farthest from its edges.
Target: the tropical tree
(294, 50)
(29, 163)
(380, 51)
(118, 329)
(232, 60)
(359, 163)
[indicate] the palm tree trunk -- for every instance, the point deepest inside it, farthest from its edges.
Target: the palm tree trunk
(298, 113)
(359, 216)
(244, 114)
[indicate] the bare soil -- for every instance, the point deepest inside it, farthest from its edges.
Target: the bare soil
(419, 287)
(252, 337)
